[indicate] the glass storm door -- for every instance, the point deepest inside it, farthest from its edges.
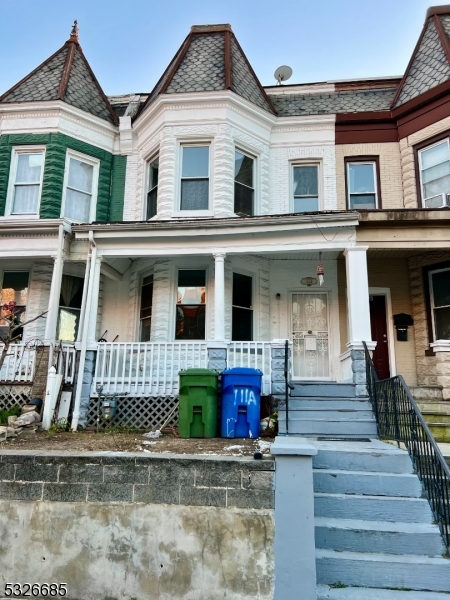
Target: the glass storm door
(310, 336)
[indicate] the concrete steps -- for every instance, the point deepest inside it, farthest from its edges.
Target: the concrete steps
(323, 389)
(325, 592)
(437, 415)
(374, 530)
(318, 427)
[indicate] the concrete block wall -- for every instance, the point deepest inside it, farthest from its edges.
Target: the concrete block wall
(134, 525)
(390, 171)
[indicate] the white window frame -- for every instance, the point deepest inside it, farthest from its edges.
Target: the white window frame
(308, 163)
(193, 213)
(95, 162)
(254, 172)
(432, 307)
(148, 162)
(200, 266)
(375, 181)
(15, 153)
(149, 273)
(255, 303)
(421, 151)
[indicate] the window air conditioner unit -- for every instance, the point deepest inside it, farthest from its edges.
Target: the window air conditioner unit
(439, 201)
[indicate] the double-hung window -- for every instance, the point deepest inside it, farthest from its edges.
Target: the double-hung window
(80, 188)
(194, 178)
(306, 188)
(244, 191)
(439, 281)
(70, 307)
(191, 305)
(152, 188)
(146, 308)
(434, 166)
(362, 185)
(27, 169)
(14, 289)
(242, 323)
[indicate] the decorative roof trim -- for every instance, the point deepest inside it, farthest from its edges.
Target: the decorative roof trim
(227, 57)
(408, 68)
(442, 37)
(443, 9)
(177, 63)
(67, 67)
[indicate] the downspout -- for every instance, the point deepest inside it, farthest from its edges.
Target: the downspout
(92, 256)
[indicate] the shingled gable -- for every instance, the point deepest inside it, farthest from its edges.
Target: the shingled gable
(211, 59)
(65, 76)
(429, 66)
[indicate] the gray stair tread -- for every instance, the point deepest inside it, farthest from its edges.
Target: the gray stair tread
(383, 474)
(359, 447)
(368, 498)
(410, 559)
(325, 592)
(295, 415)
(394, 527)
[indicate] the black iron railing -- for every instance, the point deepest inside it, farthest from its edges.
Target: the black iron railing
(399, 418)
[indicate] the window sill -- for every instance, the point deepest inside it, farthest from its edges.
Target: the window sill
(441, 346)
(189, 214)
(24, 217)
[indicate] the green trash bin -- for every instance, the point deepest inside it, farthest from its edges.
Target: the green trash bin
(198, 403)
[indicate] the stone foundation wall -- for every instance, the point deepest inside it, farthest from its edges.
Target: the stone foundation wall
(138, 526)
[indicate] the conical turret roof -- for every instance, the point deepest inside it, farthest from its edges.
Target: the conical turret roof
(66, 76)
(429, 66)
(211, 59)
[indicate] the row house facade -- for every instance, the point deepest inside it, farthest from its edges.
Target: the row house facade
(208, 221)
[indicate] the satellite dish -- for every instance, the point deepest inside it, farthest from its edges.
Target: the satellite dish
(283, 73)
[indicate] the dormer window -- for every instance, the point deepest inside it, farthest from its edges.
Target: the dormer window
(244, 191)
(80, 188)
(152, 188)
(434, 166)
(25, 188)
(194, 178)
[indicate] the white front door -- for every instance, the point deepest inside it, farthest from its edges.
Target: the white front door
(310, 336)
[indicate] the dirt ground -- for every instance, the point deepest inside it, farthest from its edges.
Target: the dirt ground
(114, 441)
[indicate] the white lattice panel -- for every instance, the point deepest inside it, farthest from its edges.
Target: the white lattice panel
(140, 413)
(14, 395)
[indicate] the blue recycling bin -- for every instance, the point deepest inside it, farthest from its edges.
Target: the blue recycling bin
(241, 399)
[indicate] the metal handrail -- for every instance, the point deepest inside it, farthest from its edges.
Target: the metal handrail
(399, 418)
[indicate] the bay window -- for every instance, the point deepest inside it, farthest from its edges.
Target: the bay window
(152, 188)
(194, 178)
(27, 169)
(244, 190)
(80, 188)
(434, 168)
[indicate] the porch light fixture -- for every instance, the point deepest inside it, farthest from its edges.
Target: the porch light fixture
(309, 281)
(320, 271)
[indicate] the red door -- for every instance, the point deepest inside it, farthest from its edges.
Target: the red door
(378, 323)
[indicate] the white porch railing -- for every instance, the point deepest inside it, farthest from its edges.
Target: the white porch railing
(145, 369)
(19, 363)
(65, 362)
(256, 355)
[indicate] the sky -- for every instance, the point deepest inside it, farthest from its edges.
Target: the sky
(129, 44)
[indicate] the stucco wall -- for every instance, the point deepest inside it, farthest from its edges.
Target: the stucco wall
(390, 171)
(134, 526)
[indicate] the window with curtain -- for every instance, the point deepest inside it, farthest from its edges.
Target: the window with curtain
(434, 165)
(69, 308)
(146, 308)
(152, 188)
(242, 323)
(306, 188)
(194, 178)
(362, 185)
(440, 303)
(81, 180)
(14, 289)
(191, 305)
(27, 171)
(244, 190)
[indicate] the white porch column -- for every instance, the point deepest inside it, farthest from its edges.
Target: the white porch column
(53, 301)
(357, 296)
(92, 308)
(219, 296)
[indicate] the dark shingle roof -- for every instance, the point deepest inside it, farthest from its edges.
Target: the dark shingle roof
(429, 67)
(202, 68)
(290, 105)
(200, 65)
(65, 76)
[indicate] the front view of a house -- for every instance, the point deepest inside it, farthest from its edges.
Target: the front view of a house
(205, 223)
